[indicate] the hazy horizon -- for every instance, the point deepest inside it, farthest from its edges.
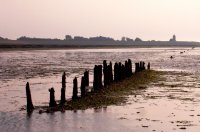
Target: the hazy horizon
(149, 20)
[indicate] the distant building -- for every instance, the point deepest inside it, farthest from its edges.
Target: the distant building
(173, 39)
(68, 37)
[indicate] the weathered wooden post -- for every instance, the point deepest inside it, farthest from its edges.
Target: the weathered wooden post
(100, 85)
(137, 67)
(63, 99)
(110, 72)
(120, 71)
(144, 65)
(83, 91)
(140, 66)
(105, 72)
(95, 81)
(75, 89)
(29, 105)
(130, 67)
(86, 76)
(126, 69)
(52, 102)
(64, 80)
(123, 74)
(116, 70)
(148, 66)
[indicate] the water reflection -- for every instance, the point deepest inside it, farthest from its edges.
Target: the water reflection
(28, 124)
(102, 109)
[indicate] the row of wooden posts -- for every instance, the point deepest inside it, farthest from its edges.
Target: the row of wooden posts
(121, 71)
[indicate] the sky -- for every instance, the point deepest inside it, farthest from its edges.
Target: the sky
(147, 19)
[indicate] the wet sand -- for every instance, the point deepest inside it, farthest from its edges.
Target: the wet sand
(170, 104)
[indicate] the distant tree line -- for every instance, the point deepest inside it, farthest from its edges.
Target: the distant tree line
(80, 38)
(99, 38)
(1, 38)
(24, 38)
(83, 40)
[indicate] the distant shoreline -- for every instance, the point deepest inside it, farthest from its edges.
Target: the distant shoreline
(62, 44)
(79, 42)
(39, 47)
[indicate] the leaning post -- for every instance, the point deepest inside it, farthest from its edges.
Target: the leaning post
(29, 106)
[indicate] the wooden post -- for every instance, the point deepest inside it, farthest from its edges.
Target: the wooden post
(100, 85)
(127, 69)
(137, 67)
(120, 71)
(105, 72)
(29, 105)
(75, 89)
(130, 67)
(63, 99)
(140, 66)
(111, 73)
(52, 102)
(116, 70)
(148, 66)
(95, 81)
(64, 80)
(83, 93)
(86, 76)
(144, 65)
(123, 74)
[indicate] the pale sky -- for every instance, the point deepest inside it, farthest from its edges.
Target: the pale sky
(147, 19)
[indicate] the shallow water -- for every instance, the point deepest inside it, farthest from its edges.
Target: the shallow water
(170, 105)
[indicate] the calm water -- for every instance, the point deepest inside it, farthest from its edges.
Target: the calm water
(172, 105)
